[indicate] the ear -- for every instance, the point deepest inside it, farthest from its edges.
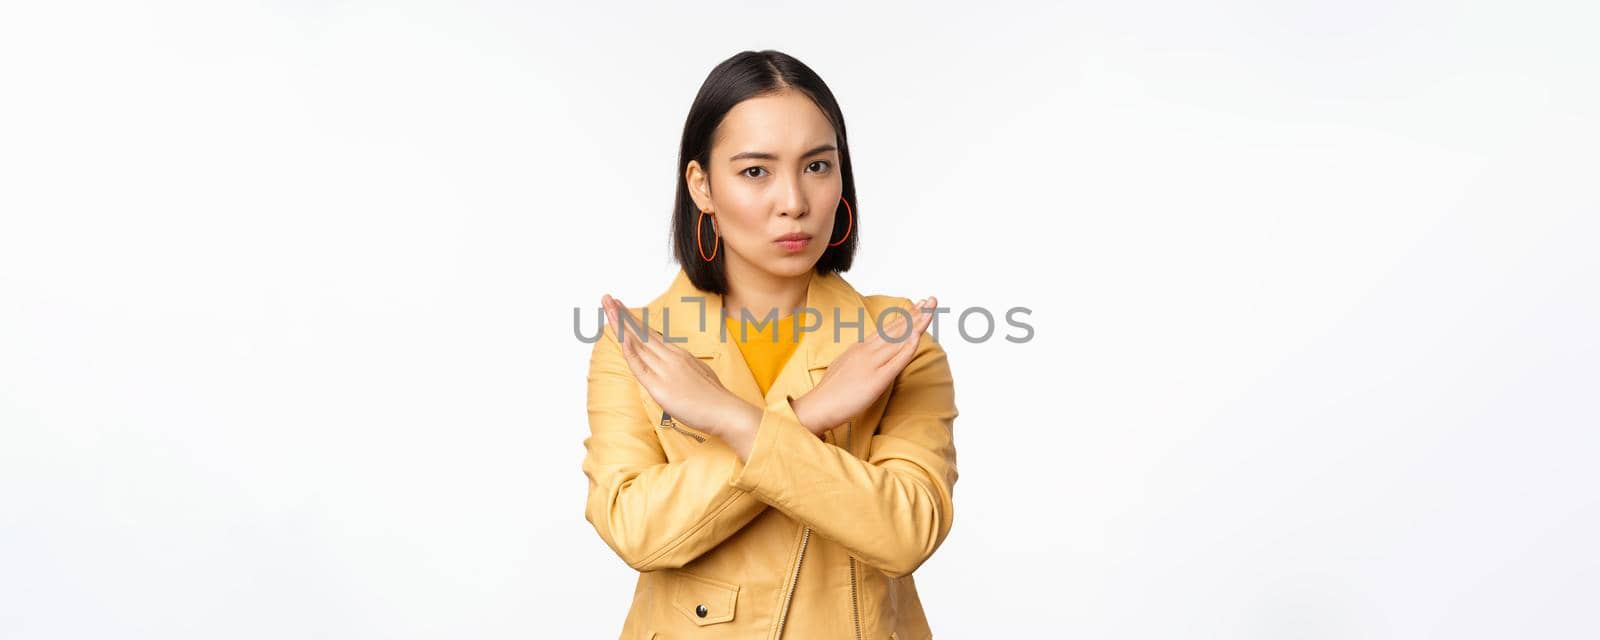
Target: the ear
(699, 183)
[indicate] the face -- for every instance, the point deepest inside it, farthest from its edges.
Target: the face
(774, 172)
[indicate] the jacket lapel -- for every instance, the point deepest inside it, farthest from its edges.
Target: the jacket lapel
(694, 316)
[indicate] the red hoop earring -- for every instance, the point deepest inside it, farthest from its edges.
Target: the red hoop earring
(700, 243)
(848, 225)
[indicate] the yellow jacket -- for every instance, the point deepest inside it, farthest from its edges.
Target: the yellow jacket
(851, 517)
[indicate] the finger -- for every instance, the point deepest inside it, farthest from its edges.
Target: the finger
(652, 335)
(649, 348)
(924, 317)
(903, 339)
(914, 313)
(675, 348)
(629, 325)
(677, 353)
(608, 305)
(908, 347)
(889, 329)
(925, 312)
(630, 353)
(893, 333)
(652, 340)
(630, 345)
(653, 346)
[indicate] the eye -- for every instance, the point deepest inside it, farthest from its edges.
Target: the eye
(826, 164)
(746, 172)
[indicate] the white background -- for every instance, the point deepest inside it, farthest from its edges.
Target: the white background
(286, 294)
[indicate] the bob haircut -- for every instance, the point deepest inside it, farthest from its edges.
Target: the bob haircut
(750, 74)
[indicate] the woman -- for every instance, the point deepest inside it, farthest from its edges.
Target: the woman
(769, 479)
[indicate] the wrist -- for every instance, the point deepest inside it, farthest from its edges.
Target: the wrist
(805, 409)
(737, 417)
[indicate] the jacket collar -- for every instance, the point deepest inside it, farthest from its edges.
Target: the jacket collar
(685, 312)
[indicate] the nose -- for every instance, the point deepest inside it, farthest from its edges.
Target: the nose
(792, 201)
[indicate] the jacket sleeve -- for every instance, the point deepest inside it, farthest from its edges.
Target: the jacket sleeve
(893, 509)
(653, 513)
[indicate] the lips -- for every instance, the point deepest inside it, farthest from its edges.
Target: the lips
(793, 242)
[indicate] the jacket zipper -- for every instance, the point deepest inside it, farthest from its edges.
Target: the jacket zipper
(855, 600)
(679, 429)
(805, 537)
(783, 614)
(667, 421)
(855, 609)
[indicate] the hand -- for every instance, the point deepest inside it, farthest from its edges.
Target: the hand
(684, 386)
(859, 375)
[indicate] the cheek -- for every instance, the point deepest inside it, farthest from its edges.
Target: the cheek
(739, 211)
(739, 224)
(743, 202)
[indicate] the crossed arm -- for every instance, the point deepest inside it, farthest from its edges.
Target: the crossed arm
(892, 510)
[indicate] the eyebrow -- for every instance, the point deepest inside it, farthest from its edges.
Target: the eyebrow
(762, 155)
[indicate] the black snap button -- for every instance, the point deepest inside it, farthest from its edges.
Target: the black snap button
(700, 610)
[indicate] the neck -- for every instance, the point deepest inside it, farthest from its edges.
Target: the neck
(760, 293)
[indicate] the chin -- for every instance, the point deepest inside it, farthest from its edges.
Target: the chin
(791, 266)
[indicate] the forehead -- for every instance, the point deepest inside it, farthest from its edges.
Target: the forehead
(786, 124)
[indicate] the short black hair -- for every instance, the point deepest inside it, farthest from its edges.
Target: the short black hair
(749, 74)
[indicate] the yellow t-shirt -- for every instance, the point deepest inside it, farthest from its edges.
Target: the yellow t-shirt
(765, 357)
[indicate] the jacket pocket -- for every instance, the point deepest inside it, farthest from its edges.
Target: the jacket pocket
(703, 600)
